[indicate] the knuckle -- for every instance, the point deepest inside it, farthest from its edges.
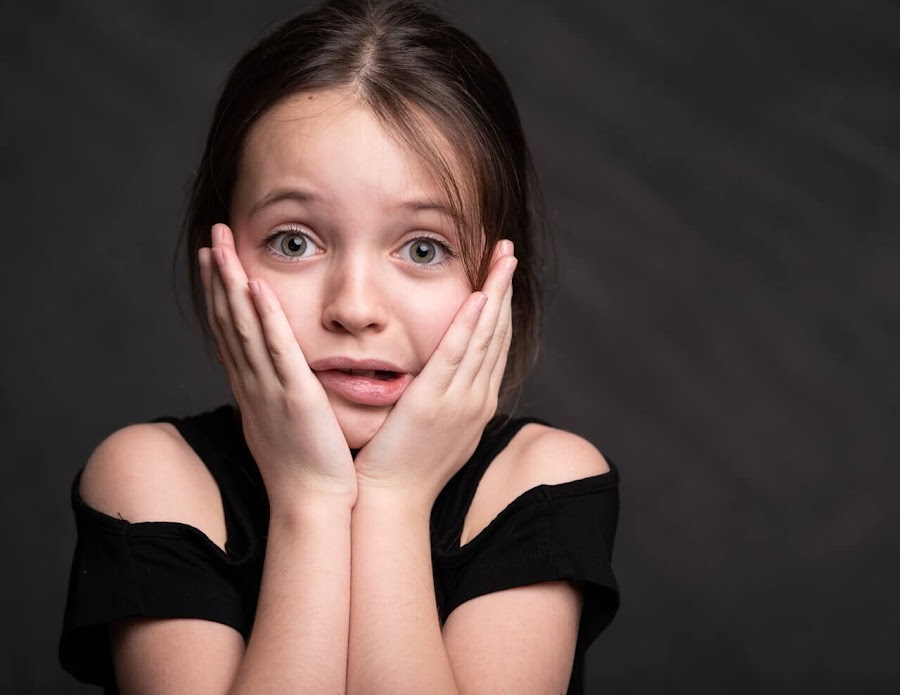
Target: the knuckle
(277, 351)
(221, 314)
(243, 331)
(455, 357)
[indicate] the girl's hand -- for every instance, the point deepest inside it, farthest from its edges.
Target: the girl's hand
(437, 423)
(288, 422)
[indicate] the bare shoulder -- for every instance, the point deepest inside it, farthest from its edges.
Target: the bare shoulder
(148, 472)
(542, 455)
(537, 455)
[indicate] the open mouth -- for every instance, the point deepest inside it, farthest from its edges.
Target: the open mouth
(379, 374)
(368, 387)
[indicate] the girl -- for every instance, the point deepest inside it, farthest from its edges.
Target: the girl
(360, 522)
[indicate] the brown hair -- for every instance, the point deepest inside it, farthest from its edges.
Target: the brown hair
(412, 69)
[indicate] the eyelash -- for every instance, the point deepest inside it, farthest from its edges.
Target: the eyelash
(268, 247)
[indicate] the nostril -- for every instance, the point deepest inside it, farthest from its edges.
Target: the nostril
(354, 317)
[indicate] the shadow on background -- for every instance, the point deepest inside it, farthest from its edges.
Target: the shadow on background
(722, 181)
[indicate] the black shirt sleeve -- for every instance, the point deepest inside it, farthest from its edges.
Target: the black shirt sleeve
(550, 533)
(151, 569)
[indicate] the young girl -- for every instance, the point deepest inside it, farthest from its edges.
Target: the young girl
(360, 244)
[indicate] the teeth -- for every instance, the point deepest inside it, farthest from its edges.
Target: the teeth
(370, 373)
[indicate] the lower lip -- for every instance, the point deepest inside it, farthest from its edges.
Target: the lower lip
(362, 389)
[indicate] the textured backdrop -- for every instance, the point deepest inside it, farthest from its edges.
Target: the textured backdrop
(723, 183)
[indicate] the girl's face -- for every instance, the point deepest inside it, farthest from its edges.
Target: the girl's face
(353, 233)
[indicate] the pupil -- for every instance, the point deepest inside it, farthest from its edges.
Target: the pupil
(423, 252)
(294, 245)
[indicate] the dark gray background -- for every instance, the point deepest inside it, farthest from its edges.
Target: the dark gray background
(722, 180)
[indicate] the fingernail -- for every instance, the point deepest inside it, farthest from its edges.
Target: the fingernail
(254, 287)
(216, 234)
(508, 248)
(219, 255)
(480, 300)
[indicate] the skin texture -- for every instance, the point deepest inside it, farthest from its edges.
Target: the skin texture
(347, 597)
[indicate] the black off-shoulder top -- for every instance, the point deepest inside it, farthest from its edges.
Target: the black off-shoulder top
(171, 570)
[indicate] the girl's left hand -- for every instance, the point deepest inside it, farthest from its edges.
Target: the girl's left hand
(437, 423)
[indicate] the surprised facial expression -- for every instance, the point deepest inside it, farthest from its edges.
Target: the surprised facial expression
(353, 233)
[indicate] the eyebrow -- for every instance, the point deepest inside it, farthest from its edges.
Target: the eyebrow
(298, 195)
(429, 206)
(280, 195)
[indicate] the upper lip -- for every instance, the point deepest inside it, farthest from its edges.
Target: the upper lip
(344, 363)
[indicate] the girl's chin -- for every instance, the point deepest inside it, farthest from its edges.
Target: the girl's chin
(359, 426)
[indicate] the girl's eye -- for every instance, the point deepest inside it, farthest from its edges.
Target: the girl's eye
(426, 252)
(291, 244)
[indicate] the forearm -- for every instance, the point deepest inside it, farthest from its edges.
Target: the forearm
(300, 633)
(396, 645)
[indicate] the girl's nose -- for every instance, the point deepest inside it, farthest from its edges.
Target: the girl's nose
(354, 301)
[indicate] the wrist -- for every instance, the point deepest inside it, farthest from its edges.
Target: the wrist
(291, 485)
(386, 500)
(309, 505)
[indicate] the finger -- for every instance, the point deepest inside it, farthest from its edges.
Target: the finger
(504, 247)
(287, 358)
(444, 362)
(221, 235)
(245, 323)
(229, 343)
(204, 258)
(502, 334)
(485, 334)
(498, 370)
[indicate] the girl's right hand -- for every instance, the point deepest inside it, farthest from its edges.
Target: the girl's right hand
(288, 422)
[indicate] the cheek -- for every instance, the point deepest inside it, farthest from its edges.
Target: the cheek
(297, 293)
(300, 303)
(430, 312)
